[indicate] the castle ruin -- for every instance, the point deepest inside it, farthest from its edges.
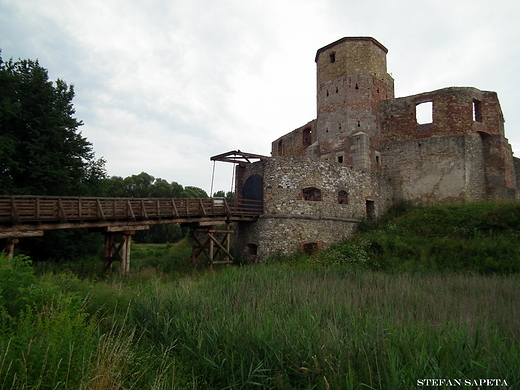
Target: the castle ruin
(366, 151)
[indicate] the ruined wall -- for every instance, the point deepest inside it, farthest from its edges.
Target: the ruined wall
(296, 142)
(462, 155)
(290, 220)
(456, 111)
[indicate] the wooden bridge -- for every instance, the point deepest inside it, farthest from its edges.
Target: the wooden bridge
(30, 216)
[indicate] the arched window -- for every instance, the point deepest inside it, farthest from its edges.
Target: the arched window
(342, 197)
(310, 247)
(253, 188)
(311, 194)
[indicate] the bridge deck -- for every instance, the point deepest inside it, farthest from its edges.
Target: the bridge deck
(30, 215)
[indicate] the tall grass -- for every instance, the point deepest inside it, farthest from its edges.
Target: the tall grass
(49, 340)
(279, 327)
(380, 312)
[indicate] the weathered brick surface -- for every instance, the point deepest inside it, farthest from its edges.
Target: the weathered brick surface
(452, 114)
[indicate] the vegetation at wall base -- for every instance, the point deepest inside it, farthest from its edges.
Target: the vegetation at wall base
(473, 237)
(333, 320)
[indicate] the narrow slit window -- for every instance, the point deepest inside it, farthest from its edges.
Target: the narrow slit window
(477, 111)
(424, 113)
(332, 57)
(307, 137)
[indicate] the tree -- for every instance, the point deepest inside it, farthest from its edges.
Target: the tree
(41, 150)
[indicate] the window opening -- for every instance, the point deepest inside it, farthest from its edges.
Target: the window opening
(280, 148)
(252, 249)
(340, 159)
(342, 197)
(477, 113)
(332, 57)
(424, 113)
(357, 86)
(377, 160)
(311, 194)
(307, 137)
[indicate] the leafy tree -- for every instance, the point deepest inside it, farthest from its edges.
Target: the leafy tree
(194, 192)
(43, 153)
(41, 150)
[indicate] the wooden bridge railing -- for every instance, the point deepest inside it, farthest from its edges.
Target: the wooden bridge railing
(16, 210)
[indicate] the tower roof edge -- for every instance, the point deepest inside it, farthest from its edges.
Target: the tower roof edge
(350, 39)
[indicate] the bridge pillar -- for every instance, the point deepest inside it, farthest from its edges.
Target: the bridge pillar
(118, 251)
(214, 244)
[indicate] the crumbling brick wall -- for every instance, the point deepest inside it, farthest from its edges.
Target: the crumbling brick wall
(462, 155)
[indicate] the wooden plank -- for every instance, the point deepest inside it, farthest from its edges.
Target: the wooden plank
(99, 210)
(14, 211)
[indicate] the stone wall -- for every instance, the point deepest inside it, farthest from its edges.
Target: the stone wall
(341, 196)
(436, 170)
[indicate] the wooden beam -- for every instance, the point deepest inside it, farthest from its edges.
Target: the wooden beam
(21, 234)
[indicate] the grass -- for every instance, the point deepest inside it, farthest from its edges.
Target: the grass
(350, 317)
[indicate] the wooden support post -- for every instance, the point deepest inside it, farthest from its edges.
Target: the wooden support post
(211, 251)
(214, 244)
(118, 251)
(10, 247)
(125, 252)
(107, 258)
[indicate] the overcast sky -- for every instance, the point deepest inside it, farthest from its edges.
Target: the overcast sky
(163, 85)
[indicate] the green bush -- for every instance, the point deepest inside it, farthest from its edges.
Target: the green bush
(17, 282)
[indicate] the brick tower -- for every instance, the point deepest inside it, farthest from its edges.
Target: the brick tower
(352, 79)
